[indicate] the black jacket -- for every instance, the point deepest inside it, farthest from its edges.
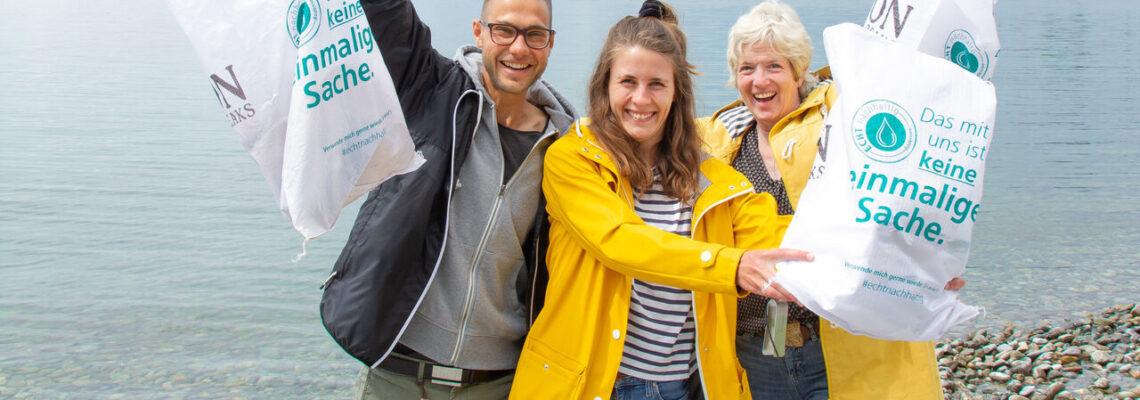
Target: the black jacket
(397, 239)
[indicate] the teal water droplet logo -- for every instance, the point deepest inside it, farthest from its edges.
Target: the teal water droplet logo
(885, 132)
(961, 55)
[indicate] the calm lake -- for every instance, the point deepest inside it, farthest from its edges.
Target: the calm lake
(142, 255)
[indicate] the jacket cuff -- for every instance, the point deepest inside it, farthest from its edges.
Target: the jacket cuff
(728, 259)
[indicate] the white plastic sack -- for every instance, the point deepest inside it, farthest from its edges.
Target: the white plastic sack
(305, 87)
(890, 217)
(962, 31)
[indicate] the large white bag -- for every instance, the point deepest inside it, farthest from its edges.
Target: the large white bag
(890, 218)
(962, 31)
(305, 87)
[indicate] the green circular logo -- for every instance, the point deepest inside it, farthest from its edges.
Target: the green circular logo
(303, 20)
(883, 131)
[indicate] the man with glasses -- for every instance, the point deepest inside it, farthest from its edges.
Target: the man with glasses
(442, 274)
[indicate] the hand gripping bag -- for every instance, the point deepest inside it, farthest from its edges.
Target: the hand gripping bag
(305, 87)
(962, 31)
(890, 216)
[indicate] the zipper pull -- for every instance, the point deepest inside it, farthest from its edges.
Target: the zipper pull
(330, 278)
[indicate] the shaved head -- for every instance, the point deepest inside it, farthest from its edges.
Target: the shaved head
(487, 3)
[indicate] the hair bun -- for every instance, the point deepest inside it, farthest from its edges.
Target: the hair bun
(651, 8)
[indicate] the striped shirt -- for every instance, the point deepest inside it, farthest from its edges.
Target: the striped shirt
(661, 334)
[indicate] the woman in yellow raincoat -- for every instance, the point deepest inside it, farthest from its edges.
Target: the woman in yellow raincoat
(771, 135)
(648, 238)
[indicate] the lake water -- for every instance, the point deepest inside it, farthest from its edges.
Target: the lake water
(142, 256)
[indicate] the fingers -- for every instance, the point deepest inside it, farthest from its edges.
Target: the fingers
(776, 291)
(782, 254)
(756, 272)
(955, 284)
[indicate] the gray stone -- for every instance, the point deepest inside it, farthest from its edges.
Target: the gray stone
(1013, 386)
(1004, 348)
(941, 351)
(1027, 390)
(1052, 390)
(1018, 397)
(1054, 333)
(1066, 338)
(1042, 371)
(1021, 367)
(1101, 357)
(1065, 395)
(1101, 383)
(999, 377)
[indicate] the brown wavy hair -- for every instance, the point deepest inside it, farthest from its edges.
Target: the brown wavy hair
(678, 153)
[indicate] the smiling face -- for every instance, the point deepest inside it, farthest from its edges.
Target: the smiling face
(512, 68)
(641, 93)
(768, 85)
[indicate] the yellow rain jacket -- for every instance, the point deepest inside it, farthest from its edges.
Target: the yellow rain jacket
(858, 367)
(598, 245)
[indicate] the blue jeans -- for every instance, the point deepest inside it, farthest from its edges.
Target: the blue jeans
(630, 388)
(799, 375)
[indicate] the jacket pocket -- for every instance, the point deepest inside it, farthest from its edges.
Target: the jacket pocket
(544, 373)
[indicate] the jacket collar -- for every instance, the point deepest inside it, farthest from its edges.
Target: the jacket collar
(715, 180)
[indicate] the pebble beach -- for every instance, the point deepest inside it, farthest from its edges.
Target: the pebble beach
(1093, 358)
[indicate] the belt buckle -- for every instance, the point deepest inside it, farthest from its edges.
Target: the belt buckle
(795, 337)
(446, 376)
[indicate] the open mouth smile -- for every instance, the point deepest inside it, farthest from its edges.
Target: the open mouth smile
(640, 116)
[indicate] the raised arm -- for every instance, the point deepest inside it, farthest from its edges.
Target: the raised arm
(405, 43)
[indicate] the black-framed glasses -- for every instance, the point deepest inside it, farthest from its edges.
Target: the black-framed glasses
(505, 35)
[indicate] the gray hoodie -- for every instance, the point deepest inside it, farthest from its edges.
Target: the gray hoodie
(473, 314)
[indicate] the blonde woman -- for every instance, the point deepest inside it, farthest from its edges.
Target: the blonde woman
(770, 134)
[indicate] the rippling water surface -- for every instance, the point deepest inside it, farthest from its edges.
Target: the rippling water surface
(141, 254)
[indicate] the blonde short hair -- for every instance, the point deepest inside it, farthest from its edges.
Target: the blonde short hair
(775, 24)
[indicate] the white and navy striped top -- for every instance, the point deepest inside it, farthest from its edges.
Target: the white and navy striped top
(661, 335)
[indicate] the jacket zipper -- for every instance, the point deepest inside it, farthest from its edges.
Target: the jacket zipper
(466, 313)
(463, 318)
(531, 312)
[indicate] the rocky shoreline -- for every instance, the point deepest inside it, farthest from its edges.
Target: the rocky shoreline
(1098, 358)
